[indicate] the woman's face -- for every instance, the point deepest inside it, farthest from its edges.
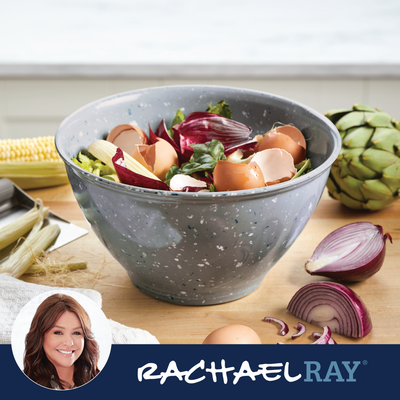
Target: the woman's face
(64, 342)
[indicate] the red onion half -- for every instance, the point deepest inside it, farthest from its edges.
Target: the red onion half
(332, 304)
(351, 253)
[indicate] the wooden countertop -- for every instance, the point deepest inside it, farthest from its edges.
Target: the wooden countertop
(175, 324)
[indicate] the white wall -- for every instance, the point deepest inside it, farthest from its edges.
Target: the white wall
(31, 107)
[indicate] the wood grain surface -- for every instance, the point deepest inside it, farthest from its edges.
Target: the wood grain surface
(175, 324)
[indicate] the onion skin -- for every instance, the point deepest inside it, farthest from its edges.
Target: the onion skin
(351, 315)
(339, 270)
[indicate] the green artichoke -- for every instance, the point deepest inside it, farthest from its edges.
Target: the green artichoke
(366, 174)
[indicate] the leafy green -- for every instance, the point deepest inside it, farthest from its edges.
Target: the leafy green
(179, 117)
(89, 163)
(221, 108)
(205, 157)
(303, 168)
(174, 170)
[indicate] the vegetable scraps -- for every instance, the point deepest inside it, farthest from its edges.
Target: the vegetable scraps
(203, 151)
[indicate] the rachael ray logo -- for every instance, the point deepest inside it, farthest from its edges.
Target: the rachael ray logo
(312, 371)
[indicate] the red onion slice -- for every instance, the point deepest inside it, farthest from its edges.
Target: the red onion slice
(317, 335)
(284, 328)
(325, 336)
(351, 253)
(300, 330)
(332, 304)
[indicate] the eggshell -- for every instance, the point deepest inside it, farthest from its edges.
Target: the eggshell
(233, 334)
(234, 176)
(157, 157)
(179, 181)
(126, 137)
(285, 137)
(276, 165)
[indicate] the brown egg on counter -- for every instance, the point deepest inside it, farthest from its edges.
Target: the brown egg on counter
(126, 137)
(235, 176)
(233, 334)
(285, 137)
(158, 157)
(277, 165)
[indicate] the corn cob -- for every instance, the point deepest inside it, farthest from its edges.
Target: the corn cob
(29, 149)
(32, 162)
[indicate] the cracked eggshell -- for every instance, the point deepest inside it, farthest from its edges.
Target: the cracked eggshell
(158, 157)
(276, 165)
(235, 176)
(179, 181)
(126, 137)
(285, 137)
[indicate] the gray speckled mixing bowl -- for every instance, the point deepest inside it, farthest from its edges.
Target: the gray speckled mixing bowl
(196, 248)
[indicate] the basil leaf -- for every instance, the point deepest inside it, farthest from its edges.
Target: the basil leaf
(179, 117)
(174, 170)
(221, 108)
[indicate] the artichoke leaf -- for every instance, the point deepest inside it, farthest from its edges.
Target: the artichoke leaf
(379, 119)
(391, 177)
(374, 189)
(361, 171)
(386, 138)
(351, 203)
(348, 154)
(350, 120)
(353, 188)
(392, 183)
(335, 114)
(333, 190)
(376, 205)
(378, 160)
(358, 137)
(363, 107)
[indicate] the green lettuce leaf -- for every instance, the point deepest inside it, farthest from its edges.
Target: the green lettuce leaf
(179, 117)
(221, 108)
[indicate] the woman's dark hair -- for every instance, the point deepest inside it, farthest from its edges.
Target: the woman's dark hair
(36, 364)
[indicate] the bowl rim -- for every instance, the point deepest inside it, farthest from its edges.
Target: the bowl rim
(274, 189)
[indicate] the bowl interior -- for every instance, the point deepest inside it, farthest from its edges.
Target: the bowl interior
(147, 107)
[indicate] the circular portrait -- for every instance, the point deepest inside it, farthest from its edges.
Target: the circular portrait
(61, 340)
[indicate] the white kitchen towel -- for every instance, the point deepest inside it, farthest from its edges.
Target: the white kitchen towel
(15, 294)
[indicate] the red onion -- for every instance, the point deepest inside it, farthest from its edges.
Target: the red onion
(284, 328)
(300, 330)
(325, 336)
(317, 335)
(334, 305)
(353, 253)
(129, 177)
(201, 127)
